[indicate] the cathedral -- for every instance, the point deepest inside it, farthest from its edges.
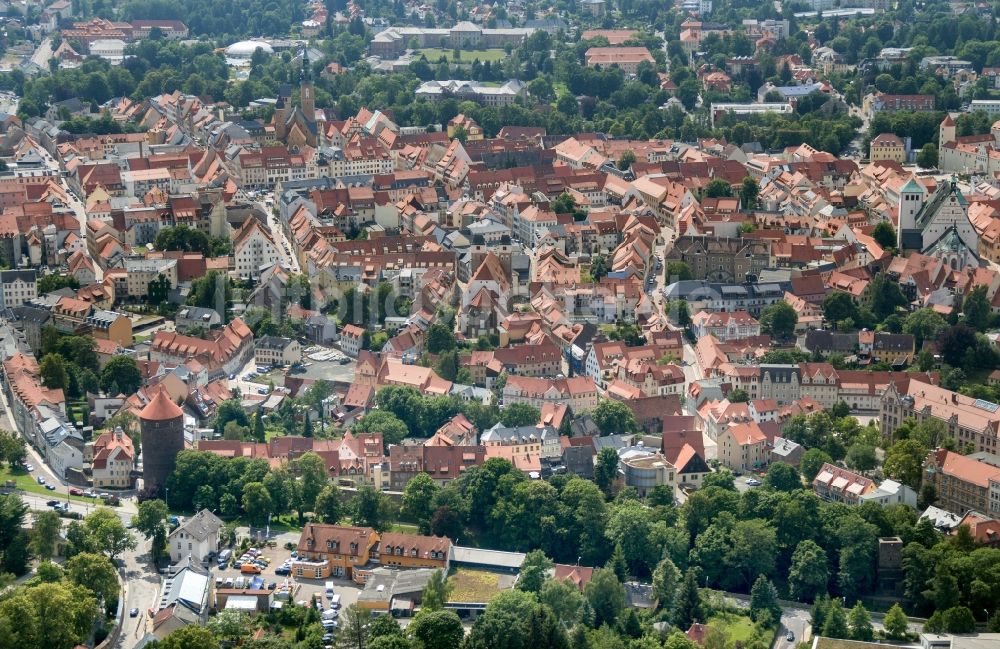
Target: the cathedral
(296, 125)
(938, 225)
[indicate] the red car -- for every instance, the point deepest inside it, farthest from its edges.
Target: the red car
(75, 492)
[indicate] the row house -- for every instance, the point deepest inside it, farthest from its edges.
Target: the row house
(346, 552)
(443, 463)
(578, 392)
(225, 352)
(840, 485)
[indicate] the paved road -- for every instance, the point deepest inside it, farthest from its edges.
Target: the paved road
(278, 232)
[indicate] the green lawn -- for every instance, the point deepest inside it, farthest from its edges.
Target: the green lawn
(404, 528)
(465, 56)
(738, 628)
(26, 482)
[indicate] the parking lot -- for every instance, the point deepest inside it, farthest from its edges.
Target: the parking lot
(302, 589)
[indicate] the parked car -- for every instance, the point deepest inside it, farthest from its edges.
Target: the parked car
(40, 480)
(790, 637)
(753, 482)
(75, 492)
(50, 487)
(29, 468)
(283, 571)
(51, 503)
(133, 612)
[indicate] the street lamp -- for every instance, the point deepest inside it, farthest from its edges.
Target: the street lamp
(167, 498)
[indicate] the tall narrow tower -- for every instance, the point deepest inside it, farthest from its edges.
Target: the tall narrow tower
(307, 98)
(911, 199)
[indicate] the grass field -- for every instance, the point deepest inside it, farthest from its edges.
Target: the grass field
(473, 585)
(465, 56)
(26, 482)
(738, 628)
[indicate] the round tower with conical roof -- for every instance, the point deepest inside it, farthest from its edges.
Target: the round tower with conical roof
(162, 425)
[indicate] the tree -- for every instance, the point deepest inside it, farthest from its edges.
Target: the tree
(230, 410)
(383, 626)
(627, 159)
(689, 607)
(924, 324)
(353, 628)
(722, 478)
(440, 338)
(861, 457)
(58, 615)
(53, 372)
(313, 477)
(519, 414)
(191, 636)
(812, 461)
(884, 234)
(329, 508)
(749, 190)
(438, 629)
(606, 469)
(764, 599)
(809, 572)
(927, 157)
(904, 462)
(835, 625)
(958, 619)
(12, 448)
(150, 517)
(738, 396)
(782, 477)
(678, 271)
(718, 188)
(839, 306)
(96, 573)
(54, 282)
(256, 502)
(108, 532)
(616, 563)
(533, 571)
(372, 509)
(861, 623)
(393, 429)
(666, 578)
(954, 342)
(418, 501)
(45, 534)
(436, 592)
(565, 600)
(606, 596)
(884, 296)
(779, 320)
(614, 417)
(123, 372)
(976, 309)
(895, 623)
(231, 627)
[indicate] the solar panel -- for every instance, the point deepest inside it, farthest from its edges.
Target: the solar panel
(983, 404)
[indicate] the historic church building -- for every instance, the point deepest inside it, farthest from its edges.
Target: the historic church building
(938, 225)
(296, 125)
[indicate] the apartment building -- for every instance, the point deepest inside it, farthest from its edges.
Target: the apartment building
(17, 287)
(968, 420)
(963, 482)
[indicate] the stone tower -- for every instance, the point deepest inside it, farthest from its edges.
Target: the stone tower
(307, 97)
(162, 425)
(911, 199)
(946, 132)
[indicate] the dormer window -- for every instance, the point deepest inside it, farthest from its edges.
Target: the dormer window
(413, 552)
(329, 545)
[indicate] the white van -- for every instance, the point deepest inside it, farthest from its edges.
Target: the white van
(329, 588)
(335, 600)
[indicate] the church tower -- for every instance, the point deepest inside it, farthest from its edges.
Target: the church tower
(281, 109)
(307, 97)
(911, 199)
